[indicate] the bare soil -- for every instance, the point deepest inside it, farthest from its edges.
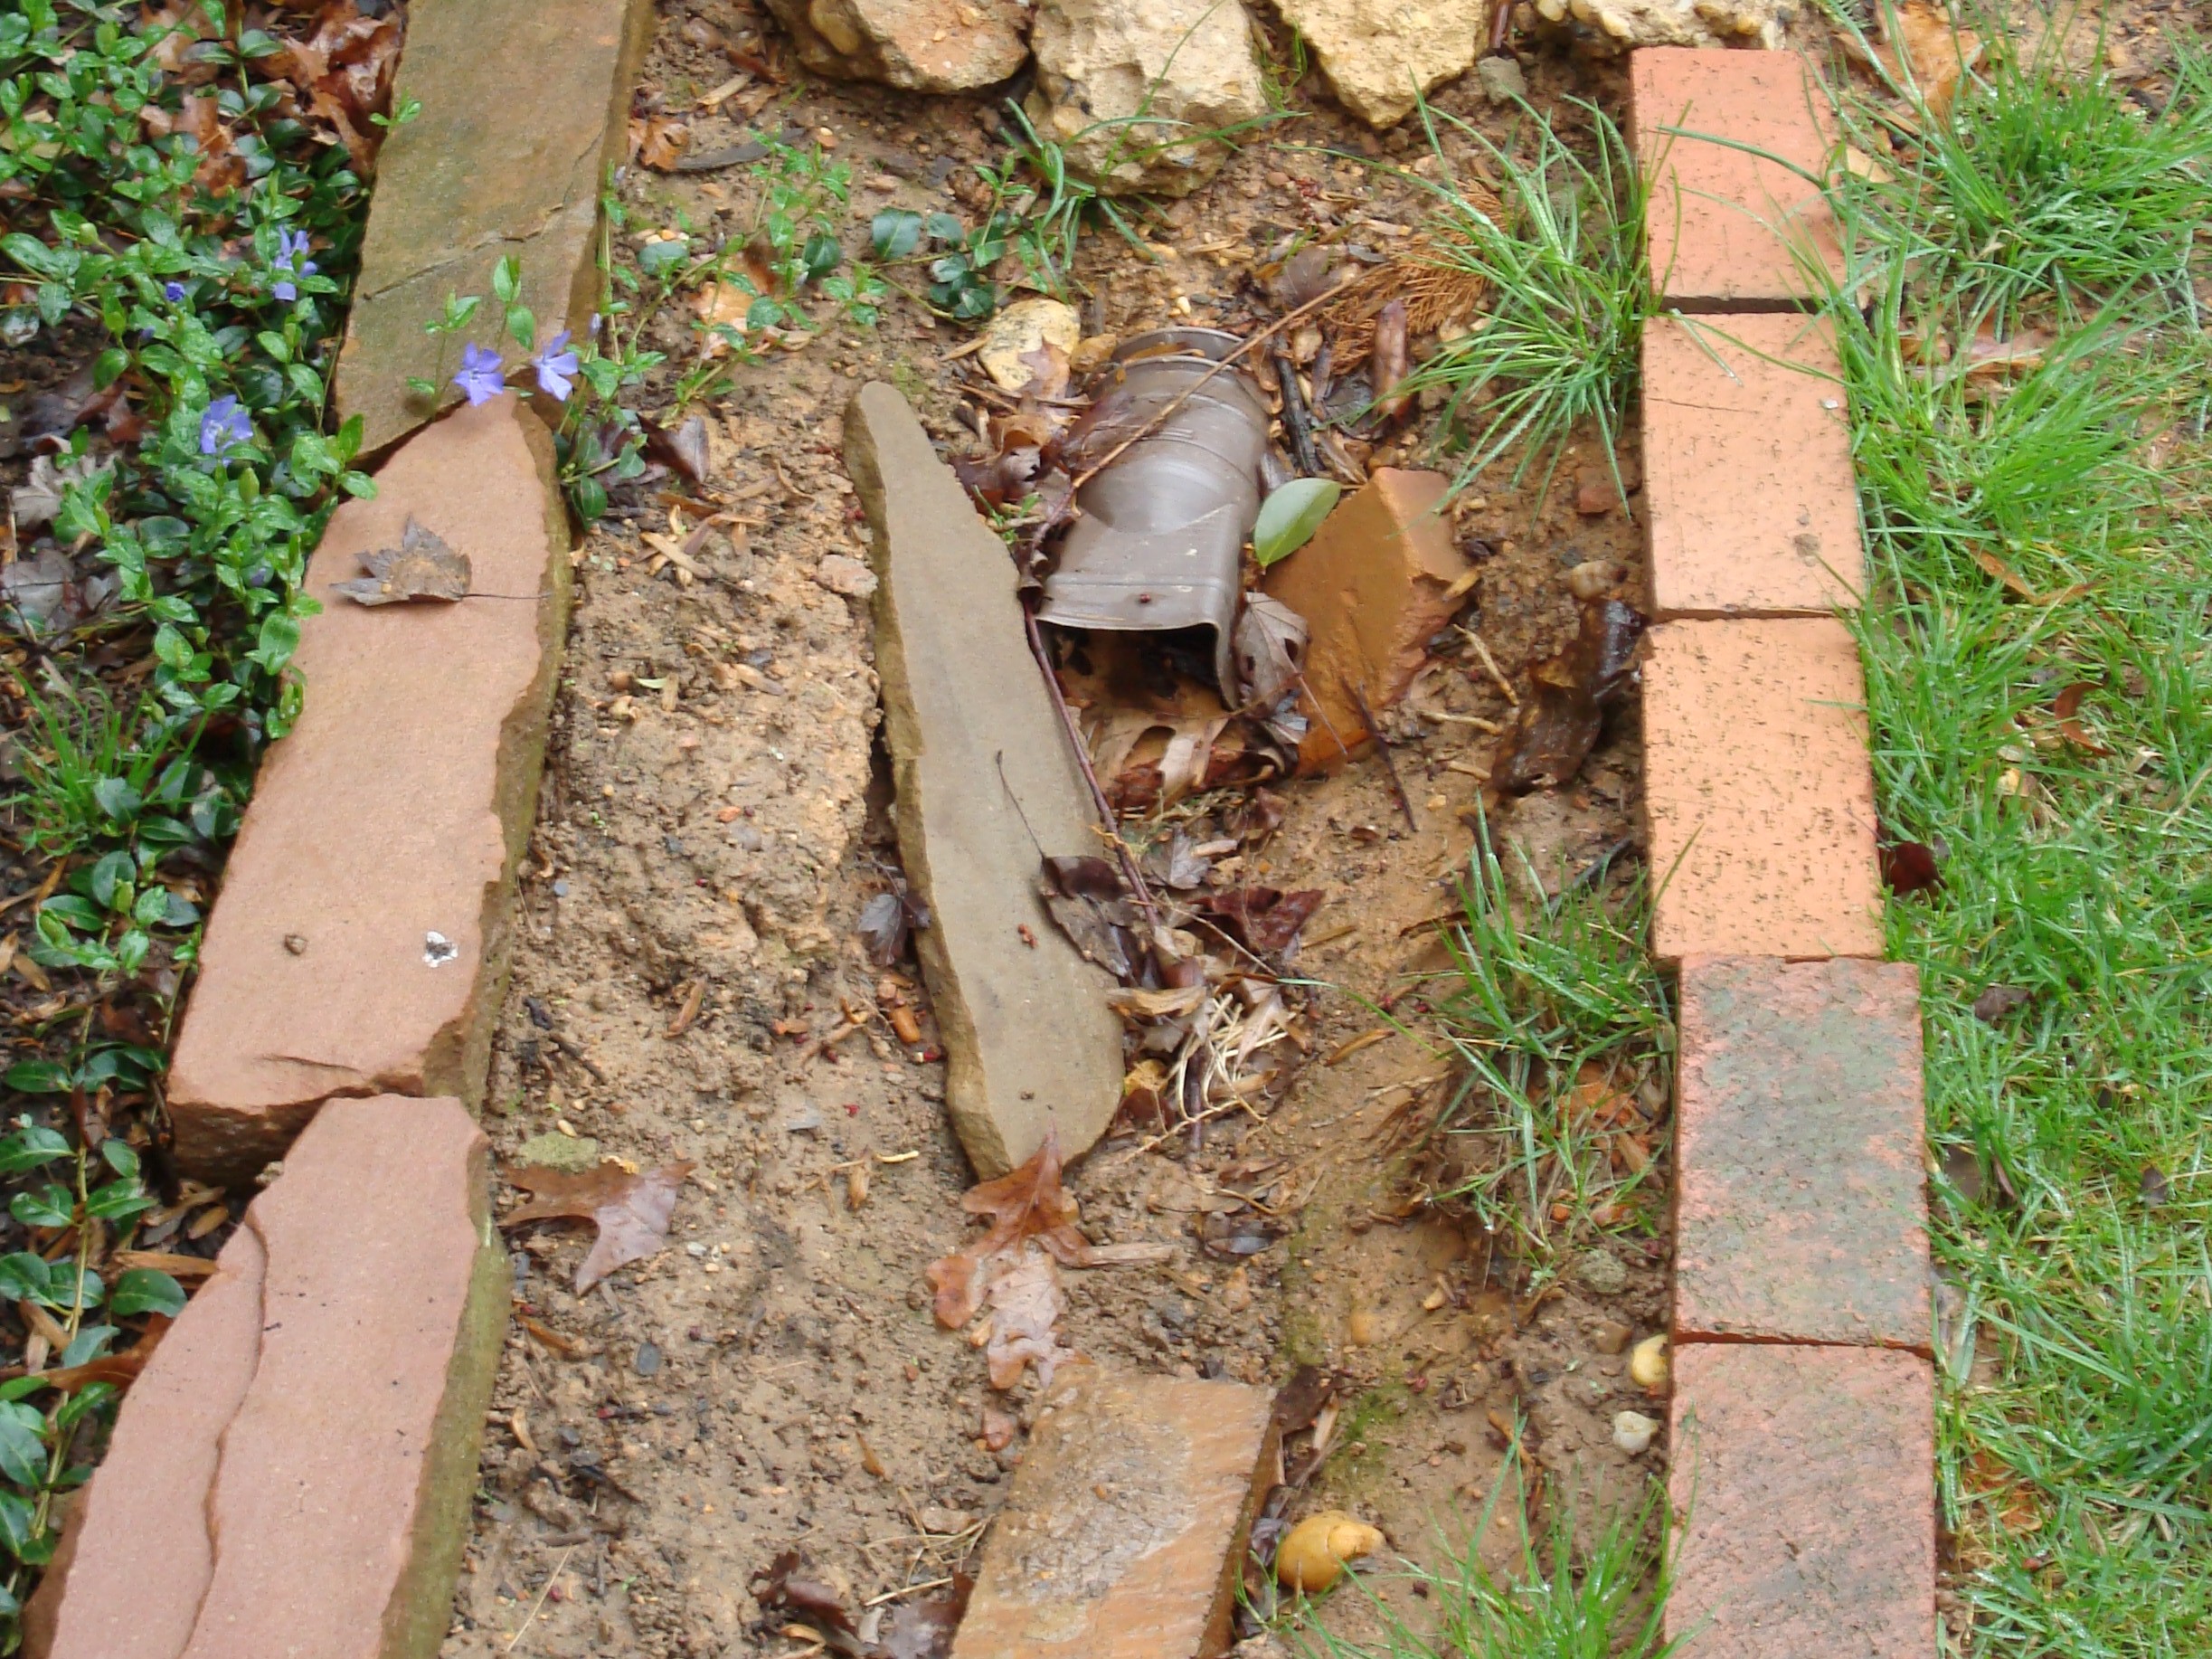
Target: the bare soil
(774, 1380)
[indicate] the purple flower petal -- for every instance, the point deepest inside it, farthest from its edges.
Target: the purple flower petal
(556, 367)
(223, 427)
(483, 376)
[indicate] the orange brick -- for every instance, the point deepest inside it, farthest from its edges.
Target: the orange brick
(1124, 1533)
(1747, 468)
(1804, 1484)
(1728, 229)
(1758, 794)
(1799, 1213)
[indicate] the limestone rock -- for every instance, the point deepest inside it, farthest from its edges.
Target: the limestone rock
(922, 45)
(1611, 26)
(1379, 53)
(1187, 64)
(986, 780)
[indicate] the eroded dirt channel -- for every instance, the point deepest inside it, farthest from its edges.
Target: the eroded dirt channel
(714, 818)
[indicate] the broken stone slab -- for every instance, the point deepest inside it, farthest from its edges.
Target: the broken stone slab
(1376, 579)
(1188, 65)
(524, 109)
(1606, 28)
(1123, 1534)
(988, 785)
(291, 1473)
(920, 45)
(361, 937)
(1381, 56)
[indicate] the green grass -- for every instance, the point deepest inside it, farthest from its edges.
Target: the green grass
(1561, 247)
(1601, 1598)
(1538, 991)
(2028, 536)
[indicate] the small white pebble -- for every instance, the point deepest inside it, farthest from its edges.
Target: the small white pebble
(1632, 1431)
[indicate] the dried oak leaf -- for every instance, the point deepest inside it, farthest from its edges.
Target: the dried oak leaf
(631, 1210)
(1028, 1203)
(1026, 1306)
(421, 567)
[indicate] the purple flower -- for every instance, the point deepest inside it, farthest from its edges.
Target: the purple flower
(291, 261)
(173, 291)
(223, 427)
(556, 367)
(482, 377)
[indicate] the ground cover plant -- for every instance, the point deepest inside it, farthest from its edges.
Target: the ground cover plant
(2022, 338)
(184, 187)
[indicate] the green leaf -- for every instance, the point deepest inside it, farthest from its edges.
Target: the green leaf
(18, 1525)
(111, 872)
(117, 798)
(38, 1077)
(523, 326)
(508, 279)
(895, 233)
(1289, 516)
(23, 1278)
(121, 1156)
(142, 1290)
(31, 1145)
(51, 1206)
(23, 1454)
(590, 499)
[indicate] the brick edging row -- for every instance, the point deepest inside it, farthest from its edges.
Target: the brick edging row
(292, 1471)
(1802, 1419)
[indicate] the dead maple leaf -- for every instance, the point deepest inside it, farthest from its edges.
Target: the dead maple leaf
(421, 567)
(631, 1210)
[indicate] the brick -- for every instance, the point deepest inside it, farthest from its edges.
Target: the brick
(486, 170)
(1727, 228)
(1747, 467)
(396, 808)
(1758, 796)
(1803, 1480)
(985, 778)
(1800, 1213)
(1123, 1535)
(1373, 584)
(292, 1471)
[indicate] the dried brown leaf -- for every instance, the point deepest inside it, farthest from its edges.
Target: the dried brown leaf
(1028, 1203)
(421, 567)
(631, 1210)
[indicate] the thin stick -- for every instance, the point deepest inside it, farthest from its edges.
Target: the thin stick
(1296, 428)
(1129, 872)
(1490, 662)
(1382, 747)
(552, 1579)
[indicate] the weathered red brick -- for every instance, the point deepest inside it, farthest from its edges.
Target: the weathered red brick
(396, 809)
(1803, 1482)
(1373, 584)
(1758, 793)
(1747, 468)
(292, 1474)
(1124, 1531)
(484, 172)
(1728, 229)
(1800, 1213)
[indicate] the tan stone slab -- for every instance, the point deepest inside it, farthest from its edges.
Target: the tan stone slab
(986, 780)
(292, 1475)
(525, 106)
(1729, 223)
(1747, 468)
(395, 811)
(1122, 1536)
(1803, 1486)
(1758, 793)
(1373, 586)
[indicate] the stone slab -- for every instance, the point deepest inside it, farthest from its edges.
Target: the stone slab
(1373, 586)
(1124, 1530)
(917, 46)
(1752, 506)
(987, 782)
(1381, 56)
(397, 809)
(524, 108)
(292, 1474)
(1803, 1480)
(1800, 1206)
(1758, 794)
(1727, 228)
